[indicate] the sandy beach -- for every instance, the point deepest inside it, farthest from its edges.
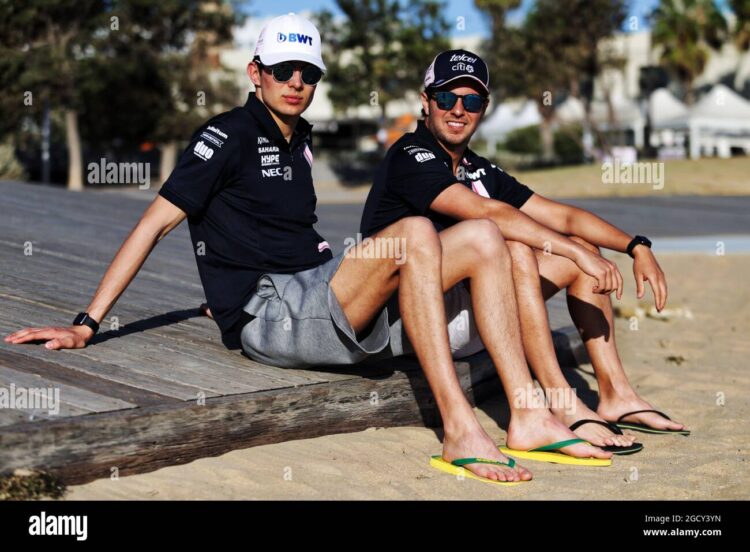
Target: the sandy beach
(695, 369)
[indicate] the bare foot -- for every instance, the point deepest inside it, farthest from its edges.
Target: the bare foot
(532, 428)
(205, 311)
(477, 444)
(612, 410)
(595, 434)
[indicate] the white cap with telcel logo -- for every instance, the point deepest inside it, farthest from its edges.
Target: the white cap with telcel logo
(289, 38)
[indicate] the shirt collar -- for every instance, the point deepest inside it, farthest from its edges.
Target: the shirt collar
(423, 133)
(259, 110)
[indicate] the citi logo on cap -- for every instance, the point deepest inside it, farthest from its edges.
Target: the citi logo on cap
(294, 37)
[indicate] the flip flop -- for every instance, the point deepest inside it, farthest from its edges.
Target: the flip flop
(646, 429)
(614, 449)
(542, 454)
(456, 468)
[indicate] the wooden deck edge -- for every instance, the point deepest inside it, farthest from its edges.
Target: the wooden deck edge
(89, 447)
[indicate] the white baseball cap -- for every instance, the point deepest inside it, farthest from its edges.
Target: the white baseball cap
(289, 38)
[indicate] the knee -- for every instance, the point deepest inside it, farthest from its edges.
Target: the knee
(523, 256)
(590, 246)
(419, 235)
(486, 240)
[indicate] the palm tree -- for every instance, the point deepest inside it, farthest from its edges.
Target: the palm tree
(741, 9)
(687, 31)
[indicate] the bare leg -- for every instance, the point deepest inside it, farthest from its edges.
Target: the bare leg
(476, 250)
(537, 339)
(363, 285)
(592, 314)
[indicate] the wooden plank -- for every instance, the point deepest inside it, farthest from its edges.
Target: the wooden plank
(87, 268)
(82, 399)
(85, 448)
(55, 411)
(197, 359)
(183, 337)
(107, 364)
(56, 372)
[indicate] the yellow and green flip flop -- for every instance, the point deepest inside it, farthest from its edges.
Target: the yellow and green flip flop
(456, 468)
(547, 454)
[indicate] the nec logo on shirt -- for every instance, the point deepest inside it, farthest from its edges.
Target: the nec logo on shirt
(294, 37)
(421, 157)
(203, 151)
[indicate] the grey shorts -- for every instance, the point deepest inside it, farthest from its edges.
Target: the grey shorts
(298, 322)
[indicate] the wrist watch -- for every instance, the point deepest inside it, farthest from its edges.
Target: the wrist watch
(638, 240)
(83, 319)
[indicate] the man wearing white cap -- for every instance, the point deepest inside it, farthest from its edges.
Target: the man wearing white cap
(272, 284)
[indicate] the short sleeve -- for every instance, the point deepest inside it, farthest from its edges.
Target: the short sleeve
(507, 189)
(418, 176)
(203, 168)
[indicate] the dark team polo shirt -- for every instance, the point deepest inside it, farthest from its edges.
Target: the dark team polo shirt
(249, 197)
(417, 169)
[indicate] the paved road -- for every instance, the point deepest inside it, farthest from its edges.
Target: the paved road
(656, 217)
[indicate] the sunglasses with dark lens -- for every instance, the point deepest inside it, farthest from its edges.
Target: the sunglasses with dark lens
(282, 72)
(445, 100)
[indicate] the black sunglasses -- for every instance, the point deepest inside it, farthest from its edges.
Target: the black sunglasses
(282, 72)
(445, 100)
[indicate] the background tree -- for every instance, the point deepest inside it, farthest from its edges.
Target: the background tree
(125, 71)
(43, 40)
(380, 49)
(687, 31)
(741, 31)
(551, 54)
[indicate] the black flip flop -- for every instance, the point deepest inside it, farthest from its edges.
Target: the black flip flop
(646, 429)
(614, 449)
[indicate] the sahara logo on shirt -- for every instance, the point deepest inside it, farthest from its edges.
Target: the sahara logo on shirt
(203, 151)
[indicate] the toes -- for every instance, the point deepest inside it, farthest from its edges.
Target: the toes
(596, 452)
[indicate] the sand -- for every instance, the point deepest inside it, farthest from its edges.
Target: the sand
(705, 385)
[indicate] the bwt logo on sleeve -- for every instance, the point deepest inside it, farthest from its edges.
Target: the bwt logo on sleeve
(294, 37)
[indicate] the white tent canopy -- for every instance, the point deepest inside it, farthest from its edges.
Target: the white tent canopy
(625, 115)
(719, 121)
(506, 117)
(664, 106)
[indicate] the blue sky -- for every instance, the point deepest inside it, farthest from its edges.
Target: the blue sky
(474, 23)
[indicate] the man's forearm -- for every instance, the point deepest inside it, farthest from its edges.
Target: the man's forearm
(127, 262)
(518, 226)
(597, 231)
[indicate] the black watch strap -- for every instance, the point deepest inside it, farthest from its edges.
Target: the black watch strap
(638, 240)
(83, 319)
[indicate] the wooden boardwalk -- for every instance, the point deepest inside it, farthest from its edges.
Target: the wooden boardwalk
(156, 387)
